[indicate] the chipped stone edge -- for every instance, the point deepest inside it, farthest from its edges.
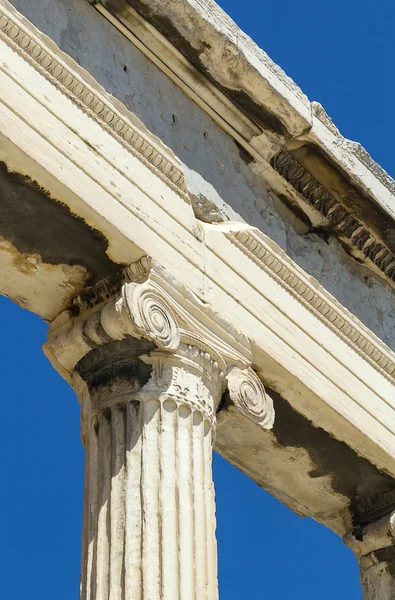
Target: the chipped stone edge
(236, 51)
(228, 50)
(355, 148)
(108, 287)
(49, 62)
(322, 304)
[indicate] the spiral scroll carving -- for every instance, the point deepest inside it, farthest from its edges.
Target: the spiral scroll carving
(152, 315)
(248, 394)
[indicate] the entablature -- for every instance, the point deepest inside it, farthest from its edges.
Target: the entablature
(292, 142)
(60, 129)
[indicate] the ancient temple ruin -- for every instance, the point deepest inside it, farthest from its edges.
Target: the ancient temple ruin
(217, 265)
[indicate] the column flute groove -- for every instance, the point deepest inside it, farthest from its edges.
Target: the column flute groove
(133, 525)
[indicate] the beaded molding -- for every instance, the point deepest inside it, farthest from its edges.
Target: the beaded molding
(55, 69)
(320, 303)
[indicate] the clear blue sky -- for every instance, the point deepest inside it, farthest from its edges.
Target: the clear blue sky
(341, 53)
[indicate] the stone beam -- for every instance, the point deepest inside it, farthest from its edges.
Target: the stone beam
(47, 169)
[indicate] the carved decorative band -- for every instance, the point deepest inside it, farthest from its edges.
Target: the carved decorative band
(323, 306)
(87, 98)
(189, 376)
(342, 222)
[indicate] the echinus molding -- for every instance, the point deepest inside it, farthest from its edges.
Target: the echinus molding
(89, 98)
(318, 301)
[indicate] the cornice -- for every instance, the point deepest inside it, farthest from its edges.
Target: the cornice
(316, 300)
(50, 62)
(355, 148)
(229, 77)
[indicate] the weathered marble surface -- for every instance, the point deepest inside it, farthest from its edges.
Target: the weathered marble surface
(330, 452)
(216, 171)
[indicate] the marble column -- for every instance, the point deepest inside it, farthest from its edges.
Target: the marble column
(374, 547)
(148, 428)
(149, 393)
(150, 368)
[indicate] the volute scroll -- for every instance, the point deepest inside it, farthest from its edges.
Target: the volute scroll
(248, 394)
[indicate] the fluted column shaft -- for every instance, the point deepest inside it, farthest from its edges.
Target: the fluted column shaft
(149, 530)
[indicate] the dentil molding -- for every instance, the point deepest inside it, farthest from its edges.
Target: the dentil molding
(55, 66)
(341, 222)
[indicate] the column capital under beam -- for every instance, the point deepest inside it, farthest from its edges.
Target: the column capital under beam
(142, 302)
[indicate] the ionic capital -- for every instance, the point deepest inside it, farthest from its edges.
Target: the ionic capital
(150, 363)
(192, 350)
(138, 311)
